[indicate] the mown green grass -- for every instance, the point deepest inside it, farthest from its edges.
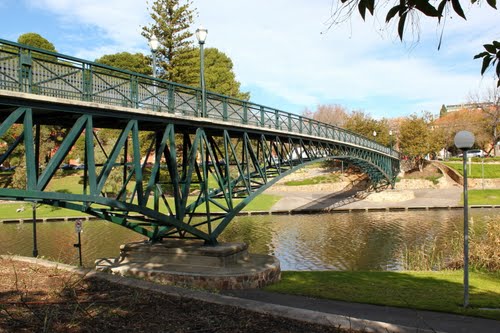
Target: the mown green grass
(436, 291)
(483, 197)
(477, 159)
(475, 170)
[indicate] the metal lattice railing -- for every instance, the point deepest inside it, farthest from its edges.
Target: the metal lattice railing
(32, 70)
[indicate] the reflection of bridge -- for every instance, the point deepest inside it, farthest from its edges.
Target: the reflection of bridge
(213, 164)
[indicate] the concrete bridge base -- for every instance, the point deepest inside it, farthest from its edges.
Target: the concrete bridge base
(190, 263)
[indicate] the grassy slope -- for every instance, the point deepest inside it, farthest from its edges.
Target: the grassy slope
(476, 169)
(438, 291)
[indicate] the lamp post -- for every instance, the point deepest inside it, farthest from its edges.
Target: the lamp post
(464, 140)
(201, 35)
(154, 44)
(390, 139)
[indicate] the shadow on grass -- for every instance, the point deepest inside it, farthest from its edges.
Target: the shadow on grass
(437, 291)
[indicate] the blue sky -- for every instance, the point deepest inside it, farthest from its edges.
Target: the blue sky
(283, 52)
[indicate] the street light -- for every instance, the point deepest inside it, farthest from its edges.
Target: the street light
(201, 35)
(390, 138)
(464, 140)
(154, 44)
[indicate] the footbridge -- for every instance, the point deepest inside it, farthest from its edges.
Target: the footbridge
(156, 157)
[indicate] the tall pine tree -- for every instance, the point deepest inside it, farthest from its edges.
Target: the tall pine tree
(172, 22)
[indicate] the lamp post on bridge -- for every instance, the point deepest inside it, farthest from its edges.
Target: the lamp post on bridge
(201, 35)
(154, 44)
(390, 139)
(464, 140)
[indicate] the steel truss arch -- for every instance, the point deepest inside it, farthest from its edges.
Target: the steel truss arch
(178, 181)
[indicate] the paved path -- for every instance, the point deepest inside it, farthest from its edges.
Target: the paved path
(297, 201)
(419, 320)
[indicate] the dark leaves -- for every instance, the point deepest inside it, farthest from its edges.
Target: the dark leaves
(490, 57)
(486, 64)
(490, 48)
(363, 5)
(426, 8)
(393, 11)
(441, 7)
(362, 9)
(480, 55)
(401, 25)
(492, 3)
(458, 8)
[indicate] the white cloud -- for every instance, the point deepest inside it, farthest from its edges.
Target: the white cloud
(283, 48)
(117, 20)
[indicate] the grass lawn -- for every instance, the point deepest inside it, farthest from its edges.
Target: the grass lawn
(436, 291)
(476, 169)
(483, 197)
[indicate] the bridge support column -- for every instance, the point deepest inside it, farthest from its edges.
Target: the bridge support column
(191, 263)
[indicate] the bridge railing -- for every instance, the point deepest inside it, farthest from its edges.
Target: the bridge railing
(27, 69)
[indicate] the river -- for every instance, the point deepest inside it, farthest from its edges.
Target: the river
(336, 241)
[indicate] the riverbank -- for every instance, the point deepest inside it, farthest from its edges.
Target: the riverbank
(431, 189)
(38, 295)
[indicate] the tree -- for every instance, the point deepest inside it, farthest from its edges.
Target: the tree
(489, 104)
(417, 139)
(137, 62)
(332, 114)
(35, 40)
(219, 74)
(408, 12)
(172, 22)
(362, 123)
(442, 111)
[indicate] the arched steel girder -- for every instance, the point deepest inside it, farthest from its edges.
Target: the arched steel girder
(200, 177)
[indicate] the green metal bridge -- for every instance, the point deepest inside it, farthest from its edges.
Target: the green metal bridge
(178, 173)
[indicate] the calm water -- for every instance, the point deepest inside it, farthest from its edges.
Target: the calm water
(356, 241)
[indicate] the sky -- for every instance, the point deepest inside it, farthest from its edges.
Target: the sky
(286, 54)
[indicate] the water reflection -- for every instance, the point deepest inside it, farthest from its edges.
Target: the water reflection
(357, 241)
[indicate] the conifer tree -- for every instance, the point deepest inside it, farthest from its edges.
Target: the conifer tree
(172, 22)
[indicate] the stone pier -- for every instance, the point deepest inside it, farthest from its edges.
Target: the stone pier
(190, 263)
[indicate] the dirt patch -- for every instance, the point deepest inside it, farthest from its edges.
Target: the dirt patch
(429, 171)
(40, 299)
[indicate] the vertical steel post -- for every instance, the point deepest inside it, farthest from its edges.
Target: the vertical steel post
(202, 81)
(466, 233)
(37, 150)
(78, 229)
(80, 248)
(35, 248)
(154, 81)
(125, 166)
